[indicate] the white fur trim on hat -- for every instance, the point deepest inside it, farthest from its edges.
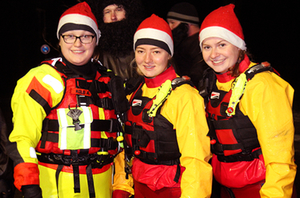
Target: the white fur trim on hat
(155, 34)
(80, 20)
(220, 32)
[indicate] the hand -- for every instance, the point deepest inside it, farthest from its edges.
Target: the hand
(31, 191)
(120, 194)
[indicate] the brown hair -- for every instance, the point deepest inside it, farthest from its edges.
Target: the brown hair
(234, 71)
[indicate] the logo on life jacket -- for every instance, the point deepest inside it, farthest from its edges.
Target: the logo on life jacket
(79, 91)
(215, 95)
(136, 102)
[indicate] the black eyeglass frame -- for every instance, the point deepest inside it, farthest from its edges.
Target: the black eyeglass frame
(77, 37)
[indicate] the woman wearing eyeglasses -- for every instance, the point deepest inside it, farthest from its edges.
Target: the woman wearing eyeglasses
(65, 126)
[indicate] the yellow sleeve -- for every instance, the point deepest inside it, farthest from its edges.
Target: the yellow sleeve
(268, 103)
(120, 181)
(185, 110)
(28, 114)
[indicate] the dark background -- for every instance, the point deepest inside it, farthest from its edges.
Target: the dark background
(270, 28)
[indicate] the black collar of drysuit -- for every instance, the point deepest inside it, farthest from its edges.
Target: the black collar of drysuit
(87, 71)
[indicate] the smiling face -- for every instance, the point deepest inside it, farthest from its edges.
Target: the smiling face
(151, 60)
(219, 54)
(77, 53)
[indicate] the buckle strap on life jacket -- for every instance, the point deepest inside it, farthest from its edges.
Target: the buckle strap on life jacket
(219, 148)
(91, 160)
(95, 160)
(240, 156)
(110, 125)
(75, 161)
(98, 87)
(107, 144)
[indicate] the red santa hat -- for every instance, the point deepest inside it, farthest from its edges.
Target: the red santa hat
(223, 23)
(154, 31)
(78, 17)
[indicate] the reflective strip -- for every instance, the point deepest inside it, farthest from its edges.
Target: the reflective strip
(87, 127)
(63, 132)
(32, 152)
(66, 129)
(56, 85)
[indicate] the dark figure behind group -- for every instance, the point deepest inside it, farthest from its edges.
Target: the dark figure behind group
(198, 110)
(184, 23)
(118, 20)
(6, 169)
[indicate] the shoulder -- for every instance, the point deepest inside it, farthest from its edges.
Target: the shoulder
(41, 71)
(267, 80)
(185, 93)
(267, 89)
(42, 76)
(184, 102)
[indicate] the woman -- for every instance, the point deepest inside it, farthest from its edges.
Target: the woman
(65, 125)
(249, 113)
(166, 127)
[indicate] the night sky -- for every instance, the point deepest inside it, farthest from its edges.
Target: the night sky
(269, 29)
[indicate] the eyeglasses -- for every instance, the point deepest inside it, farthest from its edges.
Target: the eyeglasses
(85, 39)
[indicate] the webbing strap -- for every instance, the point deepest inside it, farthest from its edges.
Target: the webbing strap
(240, 156)
(89, 175)
(58, 170)
(76, 176)
(39, 99)
(110, 125)
(75, 165)
(177, 175)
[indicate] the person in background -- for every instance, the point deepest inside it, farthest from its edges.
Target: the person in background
(118, 20)
(249, 113)
(184, 22)
(166, 128)
(6, 166)
(65, 111)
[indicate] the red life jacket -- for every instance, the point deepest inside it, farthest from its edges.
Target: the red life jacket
(234, 138)
(152, 139)
(79, 92)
